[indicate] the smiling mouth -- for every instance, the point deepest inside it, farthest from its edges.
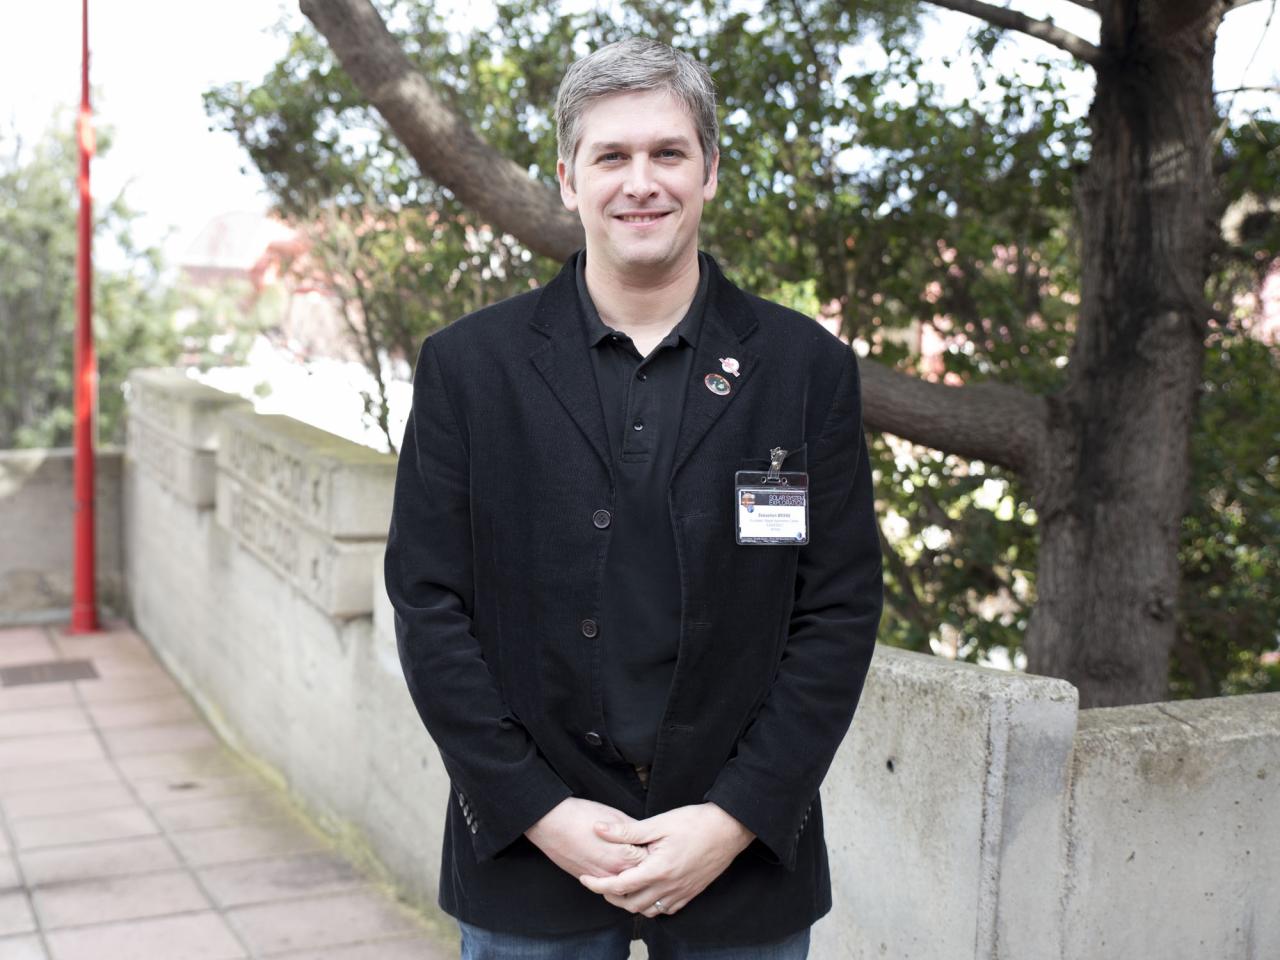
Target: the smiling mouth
(642, 217)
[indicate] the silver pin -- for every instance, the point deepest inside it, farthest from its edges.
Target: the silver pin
(729, 365)
(717, 384)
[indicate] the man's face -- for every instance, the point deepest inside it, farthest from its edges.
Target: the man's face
(638, 183)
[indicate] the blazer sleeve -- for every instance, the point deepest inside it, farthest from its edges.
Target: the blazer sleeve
(781, 759)
(504, 784)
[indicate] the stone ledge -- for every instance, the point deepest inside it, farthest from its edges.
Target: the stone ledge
(185, 409)
(185, 472)
(328, 483)
(335, 575)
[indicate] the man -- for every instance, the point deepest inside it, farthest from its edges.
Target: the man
(635, 690)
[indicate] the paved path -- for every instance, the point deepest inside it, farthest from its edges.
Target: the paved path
(128, 832)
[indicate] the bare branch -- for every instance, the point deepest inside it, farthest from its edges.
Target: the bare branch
(1044, 30)
(1272, 88)
(907, 602)
(445, 146)
(992, 422)
(997, 423)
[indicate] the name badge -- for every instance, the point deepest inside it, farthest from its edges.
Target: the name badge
(772, 507)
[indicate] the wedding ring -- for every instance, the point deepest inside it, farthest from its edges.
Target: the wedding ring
(658, 906)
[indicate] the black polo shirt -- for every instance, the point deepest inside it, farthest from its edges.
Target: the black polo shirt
(642, 399)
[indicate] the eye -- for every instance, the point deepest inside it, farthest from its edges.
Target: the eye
(670, 153)
(610, 157)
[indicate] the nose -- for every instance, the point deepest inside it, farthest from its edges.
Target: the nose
(640, 183)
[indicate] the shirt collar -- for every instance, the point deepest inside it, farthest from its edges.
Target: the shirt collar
(686, 330)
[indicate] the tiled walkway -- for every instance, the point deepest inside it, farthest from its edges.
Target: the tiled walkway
(128, 832)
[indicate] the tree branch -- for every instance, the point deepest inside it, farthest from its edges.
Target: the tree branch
(907, 602)
(444, 144)
(992, 422)
(1044, 30)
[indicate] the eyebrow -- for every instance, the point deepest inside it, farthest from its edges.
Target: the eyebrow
(664, 143)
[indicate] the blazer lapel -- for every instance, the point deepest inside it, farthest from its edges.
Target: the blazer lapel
(729, 320)
(564, 360)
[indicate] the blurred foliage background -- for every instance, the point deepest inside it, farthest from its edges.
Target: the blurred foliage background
(857, 187)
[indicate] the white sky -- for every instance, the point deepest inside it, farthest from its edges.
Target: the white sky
(152, 60)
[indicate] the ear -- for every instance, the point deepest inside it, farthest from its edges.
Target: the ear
(709, 188)
(568, 195)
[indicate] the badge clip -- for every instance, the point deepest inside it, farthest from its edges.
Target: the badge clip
(776, 456)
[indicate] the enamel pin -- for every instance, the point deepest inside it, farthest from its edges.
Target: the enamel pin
(729, 365)
(717, 384)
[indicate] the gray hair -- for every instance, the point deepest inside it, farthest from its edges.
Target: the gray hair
(636, 63)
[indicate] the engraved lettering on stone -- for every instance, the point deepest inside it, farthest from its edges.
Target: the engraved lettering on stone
(255, 524)
(278, 472)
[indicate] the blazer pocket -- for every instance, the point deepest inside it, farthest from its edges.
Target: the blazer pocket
(795, 460)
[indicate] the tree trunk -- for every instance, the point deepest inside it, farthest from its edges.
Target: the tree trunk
(1108, 459)
(1114, 480)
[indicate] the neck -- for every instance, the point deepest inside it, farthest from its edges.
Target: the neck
(642, 303)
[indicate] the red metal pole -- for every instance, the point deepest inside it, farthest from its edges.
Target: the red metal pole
(84, 608)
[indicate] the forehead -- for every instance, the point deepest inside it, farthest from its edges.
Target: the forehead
(638, 116)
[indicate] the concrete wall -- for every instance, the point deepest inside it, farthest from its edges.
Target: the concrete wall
(971, 813)
(1174, 831)
(254, 547)
(36, 535)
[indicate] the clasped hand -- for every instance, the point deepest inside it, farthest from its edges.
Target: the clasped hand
(671, 857)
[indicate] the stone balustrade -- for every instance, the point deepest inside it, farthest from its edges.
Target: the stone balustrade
(970, 813)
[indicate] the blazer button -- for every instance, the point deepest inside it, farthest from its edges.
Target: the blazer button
(601, 518)
(590, 628)
(593, 738)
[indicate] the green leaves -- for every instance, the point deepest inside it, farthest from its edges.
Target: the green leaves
(856, 179)
(1229, 608)
(39, 207)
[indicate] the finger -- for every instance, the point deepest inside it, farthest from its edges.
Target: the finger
(624, 894)
(628, 898)
(650, 903)
(621, 902)
(638, 831)
(675, 907)
(644, 900)
(593, 883)
(629, 903)
(642, 903)
(632, 879)
(622, 857)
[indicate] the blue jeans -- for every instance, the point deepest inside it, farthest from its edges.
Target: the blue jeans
(615, 944)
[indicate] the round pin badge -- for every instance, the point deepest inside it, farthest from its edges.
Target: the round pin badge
(717, 384)
(729, 365)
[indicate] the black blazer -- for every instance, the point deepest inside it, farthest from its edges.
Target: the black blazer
(493, 567)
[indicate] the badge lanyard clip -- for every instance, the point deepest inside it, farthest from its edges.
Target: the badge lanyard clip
(776, 456)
